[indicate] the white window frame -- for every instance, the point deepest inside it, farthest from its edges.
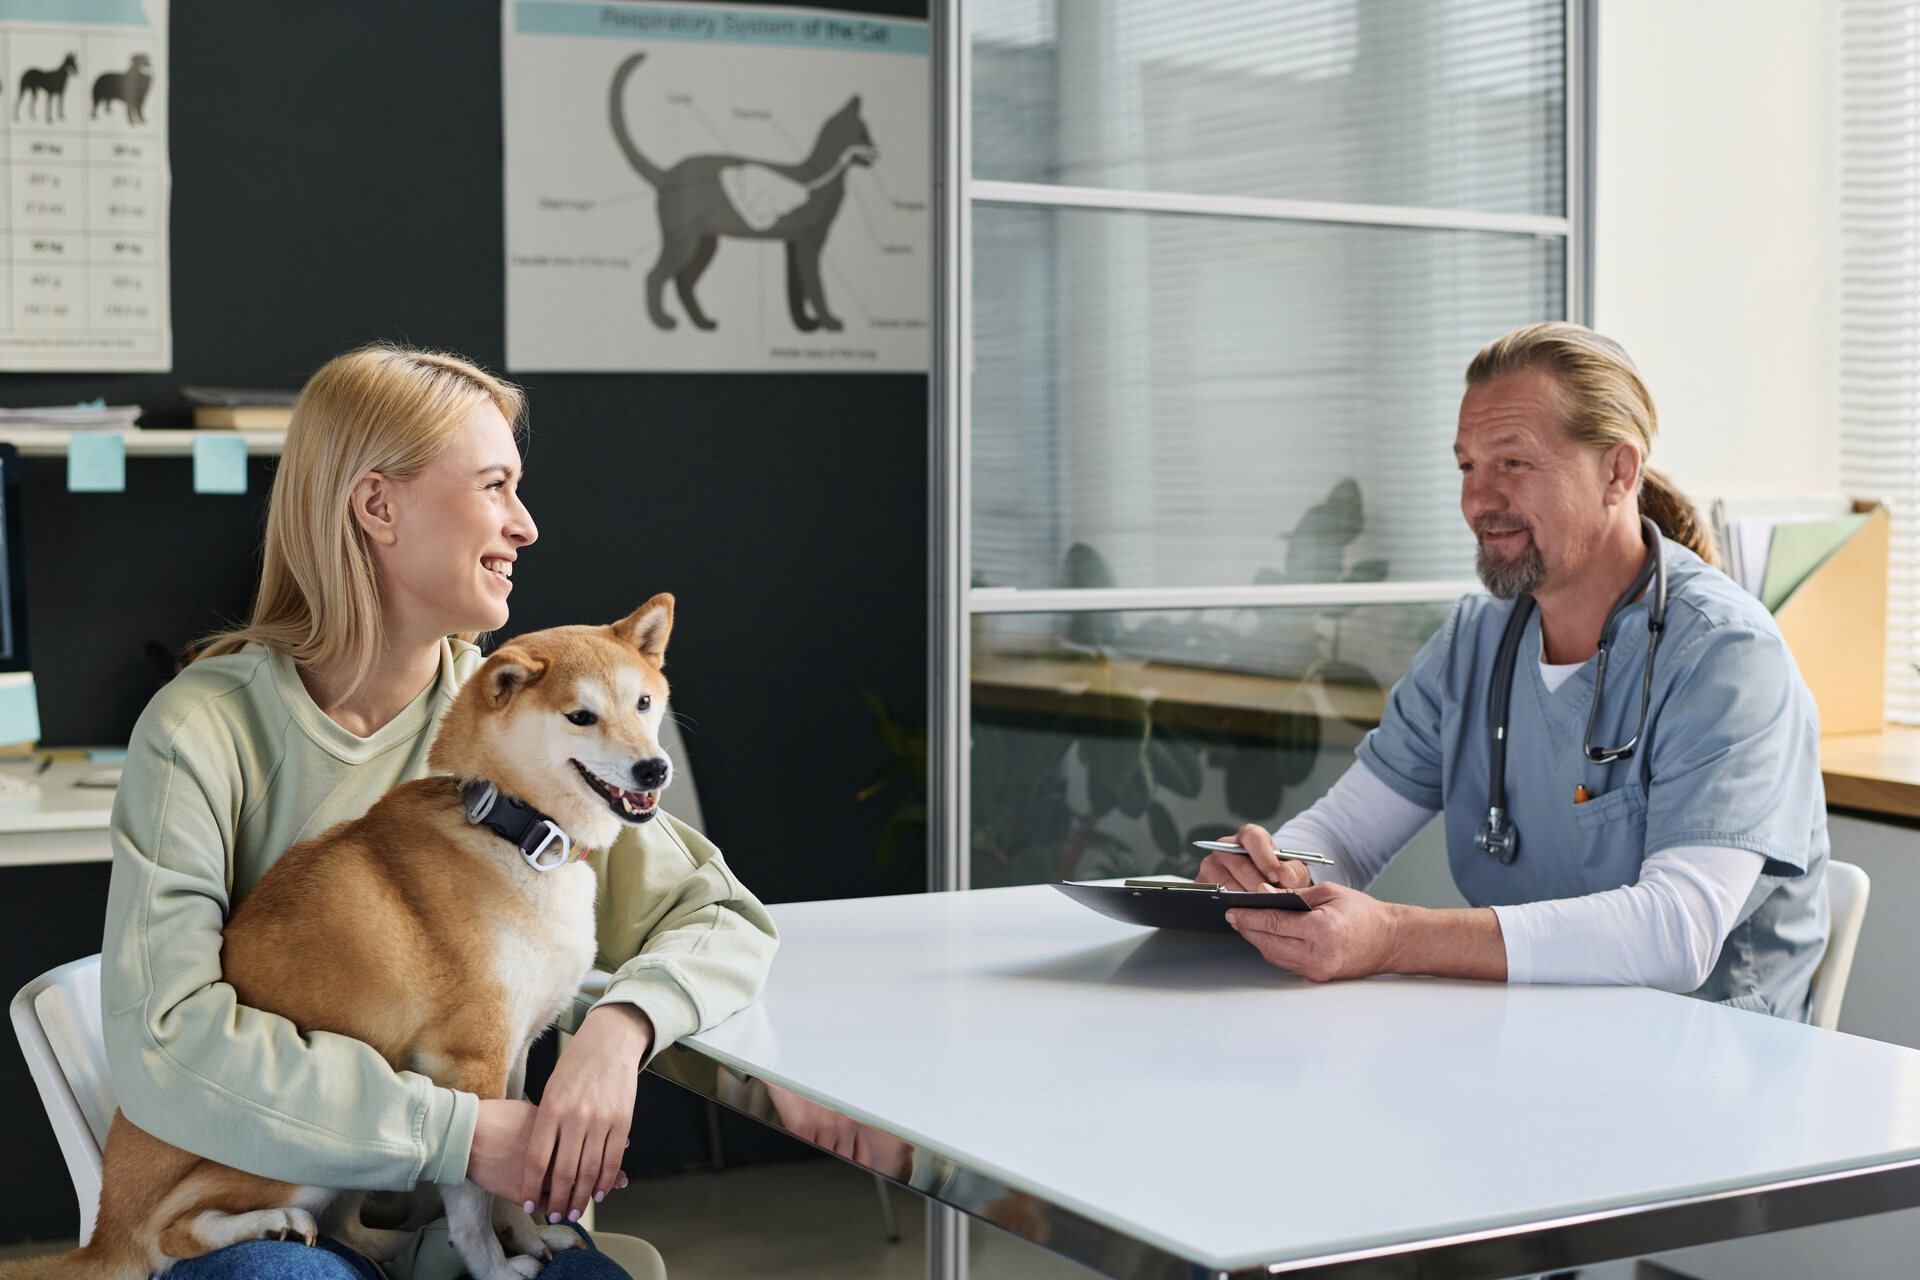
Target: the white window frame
(952, 602)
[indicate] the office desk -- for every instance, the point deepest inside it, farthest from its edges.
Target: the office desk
(1159, 1105)
(64, 823)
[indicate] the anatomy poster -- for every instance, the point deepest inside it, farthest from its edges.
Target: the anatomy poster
(715, 188)
(84, 284)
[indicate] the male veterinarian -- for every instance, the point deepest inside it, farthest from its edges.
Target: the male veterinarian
(1621, 746)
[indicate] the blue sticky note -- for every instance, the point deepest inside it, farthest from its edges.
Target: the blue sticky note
(19, 709)
(106, 755)
(219, 464)
(97, 462)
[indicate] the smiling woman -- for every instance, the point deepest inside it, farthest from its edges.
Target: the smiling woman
(391, 541)
(374, 425)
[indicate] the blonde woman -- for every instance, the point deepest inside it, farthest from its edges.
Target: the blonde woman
(392, 535)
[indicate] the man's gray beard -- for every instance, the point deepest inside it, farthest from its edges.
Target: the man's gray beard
(1520, 576)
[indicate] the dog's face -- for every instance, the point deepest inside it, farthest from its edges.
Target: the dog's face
(568, 720)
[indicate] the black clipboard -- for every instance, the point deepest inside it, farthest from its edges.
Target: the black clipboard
(1175, 904)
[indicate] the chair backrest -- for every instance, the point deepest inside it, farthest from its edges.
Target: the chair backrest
(1847, 889)
(682, 798)
(57, 1018)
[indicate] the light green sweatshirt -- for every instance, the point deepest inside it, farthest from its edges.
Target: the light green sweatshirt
(230, 765)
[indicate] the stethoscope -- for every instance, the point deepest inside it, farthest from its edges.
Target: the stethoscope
(1498, 835)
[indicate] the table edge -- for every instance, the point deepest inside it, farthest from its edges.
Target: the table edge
(1518, 1248)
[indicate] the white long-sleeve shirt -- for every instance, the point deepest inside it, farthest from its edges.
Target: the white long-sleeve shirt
(1664, 931)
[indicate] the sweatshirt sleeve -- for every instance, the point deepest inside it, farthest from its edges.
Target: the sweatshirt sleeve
(685, 940)
(196, 1068)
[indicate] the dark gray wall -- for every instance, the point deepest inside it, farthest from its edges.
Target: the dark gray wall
(336, 180)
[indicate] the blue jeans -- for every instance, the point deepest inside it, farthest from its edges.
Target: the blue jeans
(291, 1260)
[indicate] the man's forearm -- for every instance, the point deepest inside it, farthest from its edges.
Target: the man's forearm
(1455, 942)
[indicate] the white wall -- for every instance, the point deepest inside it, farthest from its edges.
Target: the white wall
(1715, 249)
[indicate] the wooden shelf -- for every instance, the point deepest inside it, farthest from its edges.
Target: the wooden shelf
(1874, 772)
(1195, 697)
(46, 443)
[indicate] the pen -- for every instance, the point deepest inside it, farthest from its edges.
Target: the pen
(1290, 854)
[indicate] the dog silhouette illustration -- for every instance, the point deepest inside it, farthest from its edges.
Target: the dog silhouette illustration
(705, 197)
(52, 83)
(129, 88)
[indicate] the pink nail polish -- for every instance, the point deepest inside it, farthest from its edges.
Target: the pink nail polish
(598, 1196)
(553, 1219)
(527, 1207)
(573, 1216)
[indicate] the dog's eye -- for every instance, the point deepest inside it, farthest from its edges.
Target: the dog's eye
(582, 718)
(646, 700)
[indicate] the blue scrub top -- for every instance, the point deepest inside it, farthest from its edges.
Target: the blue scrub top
(1730, 756)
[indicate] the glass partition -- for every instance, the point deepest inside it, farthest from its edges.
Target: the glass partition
(1192, 398)
(1455, 104)
(1103, 744)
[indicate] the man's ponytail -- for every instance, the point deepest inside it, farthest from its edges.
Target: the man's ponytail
(1678, 518)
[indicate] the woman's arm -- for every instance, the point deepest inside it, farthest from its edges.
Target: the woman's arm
(193, 1066)
(693, 947)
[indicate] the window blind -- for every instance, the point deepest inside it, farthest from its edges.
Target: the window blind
(1879, 355)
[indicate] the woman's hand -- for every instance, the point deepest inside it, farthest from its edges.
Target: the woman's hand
(499, 1152)
(572, 1153)
(1256, 870)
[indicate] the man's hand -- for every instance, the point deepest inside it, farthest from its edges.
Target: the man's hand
(1347, 934)
(1258, 869)
(573, 1149)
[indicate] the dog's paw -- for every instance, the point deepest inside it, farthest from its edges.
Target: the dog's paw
(525, 1267)
(558, 1238)
(284, 1224)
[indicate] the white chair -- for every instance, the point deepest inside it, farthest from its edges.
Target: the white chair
(1847, 889)
(57, 1019)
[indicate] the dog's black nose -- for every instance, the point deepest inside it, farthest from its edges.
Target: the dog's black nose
(651, 775)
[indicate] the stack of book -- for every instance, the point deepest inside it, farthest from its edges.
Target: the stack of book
(240, 408)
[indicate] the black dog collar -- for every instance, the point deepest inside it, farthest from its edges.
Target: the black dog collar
(521, 825)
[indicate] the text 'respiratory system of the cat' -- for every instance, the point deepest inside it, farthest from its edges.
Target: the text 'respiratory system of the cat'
(715, 188)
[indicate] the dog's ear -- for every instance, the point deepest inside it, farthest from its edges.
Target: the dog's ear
(647, 627)
(508, 671)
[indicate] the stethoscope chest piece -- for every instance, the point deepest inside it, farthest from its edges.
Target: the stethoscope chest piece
(1498, 836)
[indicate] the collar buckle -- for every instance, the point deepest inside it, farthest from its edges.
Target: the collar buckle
(546, 842)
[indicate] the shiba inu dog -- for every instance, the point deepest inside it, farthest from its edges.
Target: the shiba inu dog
(447, 928)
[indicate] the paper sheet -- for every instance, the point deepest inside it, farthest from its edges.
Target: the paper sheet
(84, 285)
(1797, 549)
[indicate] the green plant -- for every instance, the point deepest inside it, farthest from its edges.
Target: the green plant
(906, 744)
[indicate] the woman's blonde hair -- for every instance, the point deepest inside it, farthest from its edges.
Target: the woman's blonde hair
(1606, 403)
(383, 408)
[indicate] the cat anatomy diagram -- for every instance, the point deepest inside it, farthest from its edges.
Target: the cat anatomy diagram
(715, 189)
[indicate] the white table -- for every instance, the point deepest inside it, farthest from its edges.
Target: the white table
(1167, 1105)
(64, 822)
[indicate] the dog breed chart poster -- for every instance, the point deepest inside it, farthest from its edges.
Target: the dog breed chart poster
(84, 284)
(715, 188)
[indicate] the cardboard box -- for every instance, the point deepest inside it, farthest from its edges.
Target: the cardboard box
(1836, 625)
